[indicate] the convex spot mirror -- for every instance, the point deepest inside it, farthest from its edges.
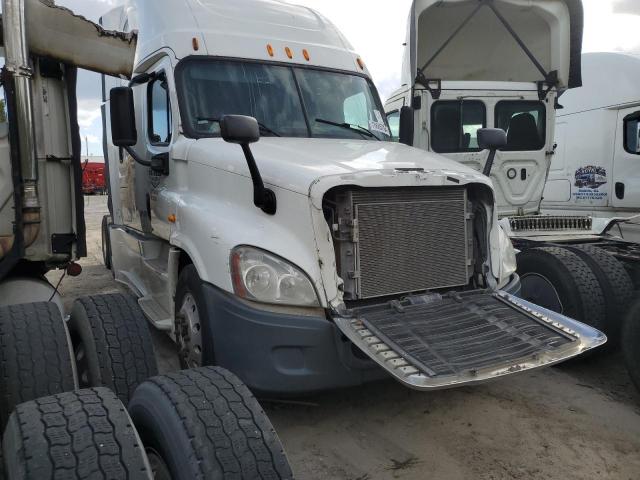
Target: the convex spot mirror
(239, 129)
(123, 117)
(492, 138)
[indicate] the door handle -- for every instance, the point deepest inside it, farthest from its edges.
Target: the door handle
(620, 190)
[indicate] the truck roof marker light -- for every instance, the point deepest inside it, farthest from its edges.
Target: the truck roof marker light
(289, 53)
(360, 63)
(171, 218)
(195, 43)
(270, 50)
(305, 54)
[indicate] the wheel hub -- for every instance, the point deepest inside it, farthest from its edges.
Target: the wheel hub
(189, 332)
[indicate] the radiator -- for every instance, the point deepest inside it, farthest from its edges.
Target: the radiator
(395, 241)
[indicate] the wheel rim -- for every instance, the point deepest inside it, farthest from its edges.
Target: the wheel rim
(159, 468)
(189, 332)
(539, 290)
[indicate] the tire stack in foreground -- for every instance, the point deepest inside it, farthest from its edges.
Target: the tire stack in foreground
(60, 421)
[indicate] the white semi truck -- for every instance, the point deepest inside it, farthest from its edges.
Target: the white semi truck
(65, 381)
(264, 219)
(506, 64)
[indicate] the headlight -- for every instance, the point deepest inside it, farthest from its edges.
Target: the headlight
(508, 264)
(264, 277)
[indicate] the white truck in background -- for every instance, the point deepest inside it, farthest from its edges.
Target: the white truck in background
(596, 168)
(294, 259)
(507, 64)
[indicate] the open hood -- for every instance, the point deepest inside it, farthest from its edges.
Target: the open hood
(57, 32)
(496, 40)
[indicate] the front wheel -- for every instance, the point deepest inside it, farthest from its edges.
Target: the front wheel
(631, 342)
(193, 321)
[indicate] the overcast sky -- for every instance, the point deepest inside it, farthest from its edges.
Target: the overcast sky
(377, 33)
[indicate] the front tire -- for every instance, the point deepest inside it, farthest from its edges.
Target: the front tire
(630, 342)
(210, 415)
(193, 321)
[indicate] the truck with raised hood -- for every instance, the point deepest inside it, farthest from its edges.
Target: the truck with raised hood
(266, 222)
(65, 381)
(506, 64)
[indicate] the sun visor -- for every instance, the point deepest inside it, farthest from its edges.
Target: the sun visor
(498, 40)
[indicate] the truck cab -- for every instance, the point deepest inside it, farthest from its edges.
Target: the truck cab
(266, 221)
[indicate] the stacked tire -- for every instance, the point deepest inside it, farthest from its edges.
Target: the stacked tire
(583, 282)
(63, 391)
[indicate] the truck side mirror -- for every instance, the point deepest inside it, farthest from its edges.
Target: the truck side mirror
(406, 125)
(123, 117)
(244, 131)
(239, 129)
(492, 139)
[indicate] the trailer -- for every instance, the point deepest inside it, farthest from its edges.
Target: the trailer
(81, 396)
(509, 64)
(266, 222)
(93, 178)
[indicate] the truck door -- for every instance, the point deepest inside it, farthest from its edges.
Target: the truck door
(159, 135)
(626, 163)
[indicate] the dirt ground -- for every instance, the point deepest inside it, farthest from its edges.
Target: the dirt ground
(577, 421)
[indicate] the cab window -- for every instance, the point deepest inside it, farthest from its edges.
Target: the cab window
(632, 133)
(159, 111)
(455, 125)
(524, 122)
(394, 125)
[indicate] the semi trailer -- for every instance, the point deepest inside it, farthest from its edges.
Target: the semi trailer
(80, 395)
(266, 222)
(509, 64)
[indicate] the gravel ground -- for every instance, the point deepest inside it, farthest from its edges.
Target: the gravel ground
(580, 420)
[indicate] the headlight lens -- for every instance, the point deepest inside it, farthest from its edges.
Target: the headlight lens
(508, 265)
(264, 277)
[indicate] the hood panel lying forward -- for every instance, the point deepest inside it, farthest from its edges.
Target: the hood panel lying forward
(484, 50)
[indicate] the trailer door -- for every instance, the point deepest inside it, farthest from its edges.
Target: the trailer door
(626, 163)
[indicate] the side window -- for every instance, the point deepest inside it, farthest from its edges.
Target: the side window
(159, 113)
(525, 123)
(394, 124)
(455, 125)
(632, 133)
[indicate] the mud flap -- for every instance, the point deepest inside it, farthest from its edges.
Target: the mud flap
(432, 341)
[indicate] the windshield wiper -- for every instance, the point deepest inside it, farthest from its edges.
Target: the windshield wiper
(354, 128)
(263, 127)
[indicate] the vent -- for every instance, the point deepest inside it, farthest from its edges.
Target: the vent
(550, 223)
(394, 241)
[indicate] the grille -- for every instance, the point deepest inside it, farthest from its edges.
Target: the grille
(405, 240)
(548, 222)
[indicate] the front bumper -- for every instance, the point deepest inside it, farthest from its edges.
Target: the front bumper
(285, 354)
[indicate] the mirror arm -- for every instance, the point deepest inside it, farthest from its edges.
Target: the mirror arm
(489, 165)
(136, 158)
(263, 197)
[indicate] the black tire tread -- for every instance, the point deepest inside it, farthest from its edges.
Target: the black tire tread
(630, 342)
(75, 435)
(124, 345)
(228, 429)
(620, 286)
(35, 358)
(590, 307)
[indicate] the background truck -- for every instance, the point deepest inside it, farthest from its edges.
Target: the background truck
(470, 65)
(265, 221)
(65, 380)
(594, 171)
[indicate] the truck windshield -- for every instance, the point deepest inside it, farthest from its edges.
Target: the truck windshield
(286, 101)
